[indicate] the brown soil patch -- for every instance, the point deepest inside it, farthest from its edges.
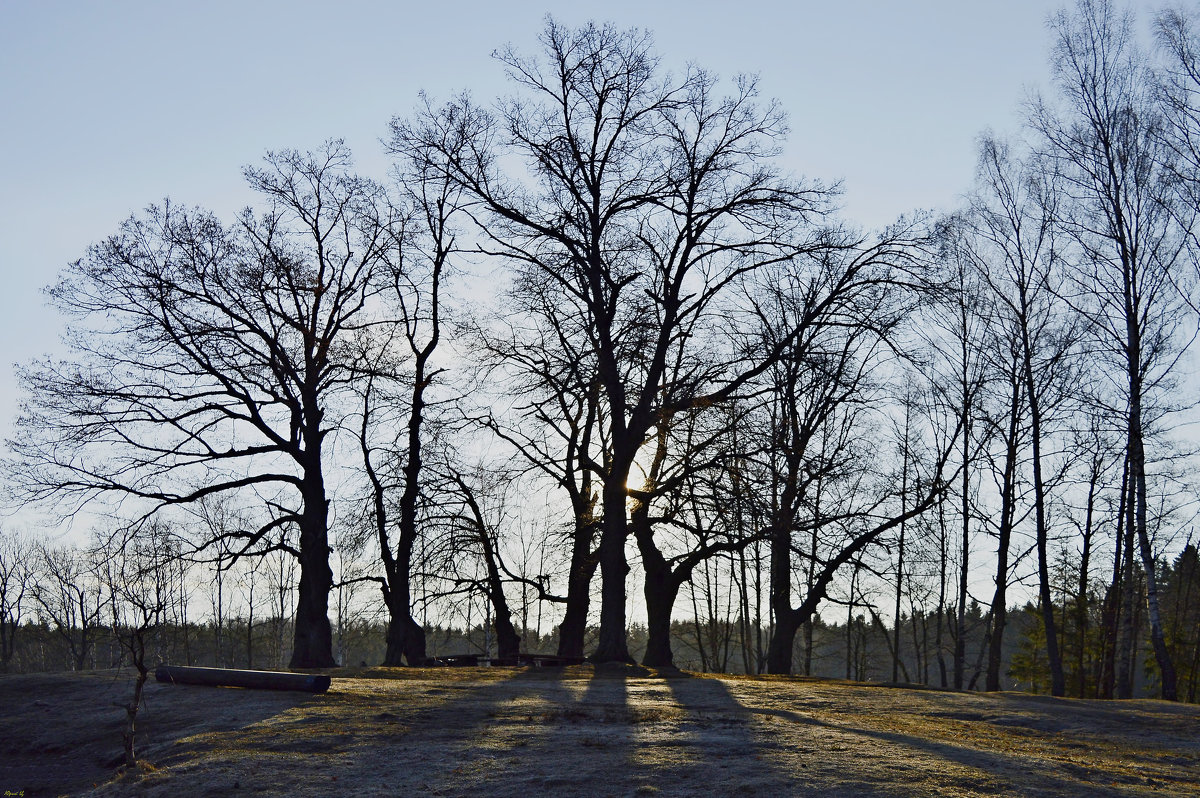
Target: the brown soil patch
(583, 731)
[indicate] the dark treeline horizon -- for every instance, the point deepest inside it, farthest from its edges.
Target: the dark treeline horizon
(856, 648)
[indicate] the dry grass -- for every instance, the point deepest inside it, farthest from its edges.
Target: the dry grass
(583, 731)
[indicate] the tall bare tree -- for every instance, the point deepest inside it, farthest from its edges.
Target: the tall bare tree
(1014, 243)
(400, 370)
(651, 202)
(208, 359)
(1105, 139)
(535, 356)
(840, 323)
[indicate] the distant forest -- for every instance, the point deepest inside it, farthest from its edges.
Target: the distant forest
(589, 374)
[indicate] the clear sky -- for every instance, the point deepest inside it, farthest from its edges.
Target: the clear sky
(108, 107)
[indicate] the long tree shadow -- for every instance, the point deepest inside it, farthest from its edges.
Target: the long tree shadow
(393, 732)
(549, 732)
(999, 772)
(720, 751)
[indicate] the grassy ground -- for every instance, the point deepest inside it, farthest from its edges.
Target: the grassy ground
(587, 731)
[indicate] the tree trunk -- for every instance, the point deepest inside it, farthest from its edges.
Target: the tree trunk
(787, 621)
(1081, 598)
(405, 637)
(899, 564)
(960, 630)
(1007, 513)
(131, 709)
(405, 641)
(779, 649)
(661, 590)
(508, 642)
(612, 644)
(941, 606)
(1106, 682)
(1058, 682)
(312, 645)
(960, 636)
(1125, 638)
(1162, 655)
(573, 628)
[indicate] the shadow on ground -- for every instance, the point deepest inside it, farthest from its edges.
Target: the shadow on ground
(591, 732)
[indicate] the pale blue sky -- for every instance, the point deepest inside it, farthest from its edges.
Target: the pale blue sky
(108, 107)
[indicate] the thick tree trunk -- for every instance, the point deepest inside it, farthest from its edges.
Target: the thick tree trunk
(779, 650)
(572, 630)
(508, 642)
(661, 590)
(787, 622)
(312, 645)
(612, 644)
(405, 637)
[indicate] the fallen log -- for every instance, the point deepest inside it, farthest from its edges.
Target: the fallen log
(257, 680)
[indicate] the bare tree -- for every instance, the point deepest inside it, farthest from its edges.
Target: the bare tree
(211, 359)
(905, 435)
(652, 203)
(965, 324)
(473, 511)
(70, 597)
(397, 392)
(1106, 142)
(17, 574)
(678, 519)
(1013, 242)
(536, 352)
(136, 567)
(840, 324)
